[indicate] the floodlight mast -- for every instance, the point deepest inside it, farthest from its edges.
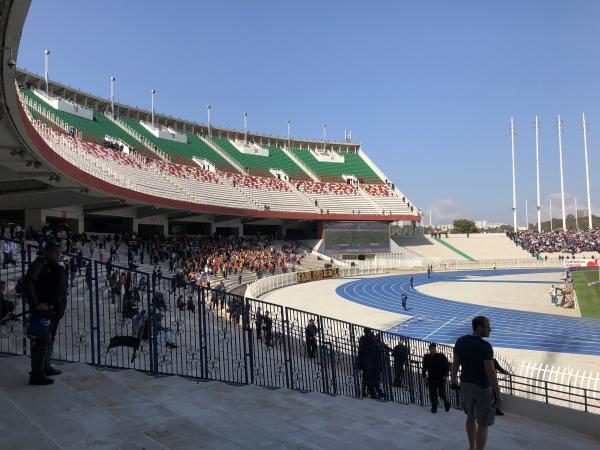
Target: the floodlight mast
(587, 171)
(562, 181)
(208, 109)
(152, 92)
(537, 173)
(514, 184)
(46, 55)
(112, 95)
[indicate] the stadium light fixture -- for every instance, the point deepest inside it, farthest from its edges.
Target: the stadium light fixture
(152, 92)
(537, 173)
(46, 55)
(562, 181)
(209, 108)
(112, 95)
(587, 171)
(245, 128)
(514, 184)
(289, 134)
(324, 136)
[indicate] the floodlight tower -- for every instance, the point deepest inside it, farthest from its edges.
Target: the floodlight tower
(245, 128)
(208, 109)
(46, 55)
(562, 182)
(152, 92)
(324, 137)
(587, 171)
(537, 173)
(514, 184)
(289, 134)
(112, 95)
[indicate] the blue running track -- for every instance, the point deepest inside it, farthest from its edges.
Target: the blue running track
(441, 320)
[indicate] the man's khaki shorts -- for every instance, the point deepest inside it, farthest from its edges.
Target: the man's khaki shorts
(479, 403)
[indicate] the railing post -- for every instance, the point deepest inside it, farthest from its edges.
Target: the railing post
(248, 344)
(153, 331)
(91, 293)
(585, 399)
(546, 390)
(23, 300)
(97, 312)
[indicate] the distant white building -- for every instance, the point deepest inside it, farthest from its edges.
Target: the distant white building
(484, 225)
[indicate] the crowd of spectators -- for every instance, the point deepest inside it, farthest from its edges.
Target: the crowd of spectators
(558, 241)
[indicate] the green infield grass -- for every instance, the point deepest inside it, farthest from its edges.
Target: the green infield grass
(587, 297)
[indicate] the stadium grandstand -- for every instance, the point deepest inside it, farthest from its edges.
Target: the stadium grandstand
(183, 253)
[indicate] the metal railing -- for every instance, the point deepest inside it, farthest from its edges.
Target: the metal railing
(162, 326)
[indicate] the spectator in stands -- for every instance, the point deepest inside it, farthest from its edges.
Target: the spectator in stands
(565, 241)
(435, 371)
(479, 384)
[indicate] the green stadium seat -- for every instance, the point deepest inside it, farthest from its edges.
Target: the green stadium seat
(260, 165)
(91, 130)
(182, 152)
(332, 172)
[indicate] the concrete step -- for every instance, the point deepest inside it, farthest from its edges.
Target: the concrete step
(88, 408)
(65, 416)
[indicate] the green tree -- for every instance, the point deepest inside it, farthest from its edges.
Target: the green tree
(464, 226)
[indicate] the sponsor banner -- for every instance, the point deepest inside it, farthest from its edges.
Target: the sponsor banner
(572, 263)
(315, 275)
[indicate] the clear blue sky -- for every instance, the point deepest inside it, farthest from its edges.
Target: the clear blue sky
(427, 87)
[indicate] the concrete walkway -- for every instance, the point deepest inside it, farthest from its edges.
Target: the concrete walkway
(89, 409)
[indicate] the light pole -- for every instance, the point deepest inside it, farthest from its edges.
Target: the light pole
(526, 216)
(550, 214)
(587, 172)
(152, 92)
(46, 54)
(537, 173)
(245, 128)
(112, 95)
(208, 110)
(514, 184)
(576, 216)
(324, 137)
(562, 182)
(290, 135)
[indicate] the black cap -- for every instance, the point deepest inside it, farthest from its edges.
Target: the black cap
(51, 245)
(433, 344)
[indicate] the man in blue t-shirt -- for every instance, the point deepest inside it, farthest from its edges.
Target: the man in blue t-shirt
(479, 384)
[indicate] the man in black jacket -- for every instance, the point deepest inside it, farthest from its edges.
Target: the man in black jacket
(311, 338)
(268, 328)
(45, 286)
(370, 361)
(435, 371)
